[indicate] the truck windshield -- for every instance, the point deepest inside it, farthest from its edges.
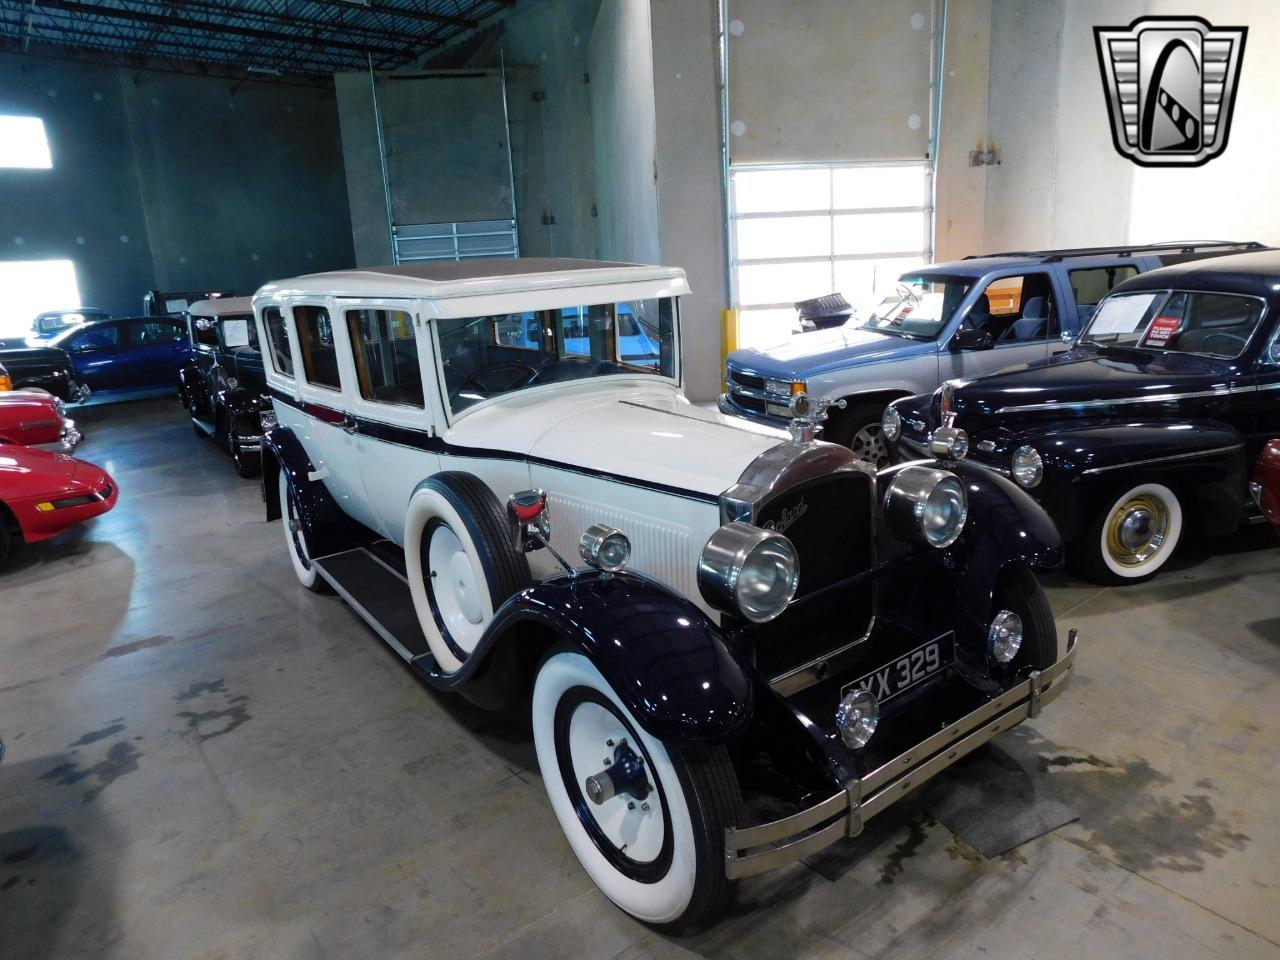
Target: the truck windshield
(1211, 324)
(920, 307)
(485, 357)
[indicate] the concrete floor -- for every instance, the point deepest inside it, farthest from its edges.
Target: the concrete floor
(205, 761)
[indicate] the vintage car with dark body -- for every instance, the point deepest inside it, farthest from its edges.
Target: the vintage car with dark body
(175, 303)
(44, 493)
(1147, 427)
(1265, 485)
(127, 357)
(223, 385)
(43, 368)
(749, 611)
(34, 418)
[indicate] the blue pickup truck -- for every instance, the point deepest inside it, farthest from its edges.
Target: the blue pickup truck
(944, 321)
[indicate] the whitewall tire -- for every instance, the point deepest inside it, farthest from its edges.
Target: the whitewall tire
(460, 562)
(658, 850)
(1134, 536)
(295, 538)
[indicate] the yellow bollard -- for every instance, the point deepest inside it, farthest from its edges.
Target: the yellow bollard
(728, 339)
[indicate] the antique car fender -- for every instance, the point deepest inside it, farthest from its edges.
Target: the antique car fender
(243, 408)
(327, 527)
(1086, 466)
(668, 661)
(192, 388)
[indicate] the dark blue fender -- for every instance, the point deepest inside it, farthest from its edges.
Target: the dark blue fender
(192, 386)
(667, 660)
(327, 527)
(1087, 465)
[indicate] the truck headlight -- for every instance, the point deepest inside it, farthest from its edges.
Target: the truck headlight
(784, 388)
(927, 505)
(749, 572)
(891, 423)
(1028, 468)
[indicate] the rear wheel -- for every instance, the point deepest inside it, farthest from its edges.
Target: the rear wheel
(1132, 538)
(646, 820)
(295, 538)
(858, 428)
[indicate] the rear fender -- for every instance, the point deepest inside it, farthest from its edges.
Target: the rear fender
(327, 527)
(668, 662)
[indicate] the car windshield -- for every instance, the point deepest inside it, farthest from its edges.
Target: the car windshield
(1212, 324)
(920, 307)
(488, 356)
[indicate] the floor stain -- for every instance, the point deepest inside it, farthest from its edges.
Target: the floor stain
(26, 853)
(207, 724)
(121, 759)
(917, 833)
(93, 736)
(201, 687)
(957, 849)
(125, 649)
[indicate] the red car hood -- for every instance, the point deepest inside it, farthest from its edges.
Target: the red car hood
(27, 417)
(21, 465)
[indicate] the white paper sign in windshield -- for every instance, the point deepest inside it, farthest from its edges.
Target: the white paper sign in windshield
(1122, 314)
(235, 333)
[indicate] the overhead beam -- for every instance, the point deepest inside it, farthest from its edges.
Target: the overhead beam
(409, 13)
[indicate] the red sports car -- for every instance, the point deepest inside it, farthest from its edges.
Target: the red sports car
(43, 493)
(1266, 483)
(34, 418)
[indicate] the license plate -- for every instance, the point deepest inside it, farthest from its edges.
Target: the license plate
(908, 670)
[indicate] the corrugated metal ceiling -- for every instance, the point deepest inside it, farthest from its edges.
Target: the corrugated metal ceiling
(265, 37)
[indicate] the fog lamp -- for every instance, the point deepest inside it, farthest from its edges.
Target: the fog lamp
(949, 443)
(856, 717)
(1004, 639)
(605, 547)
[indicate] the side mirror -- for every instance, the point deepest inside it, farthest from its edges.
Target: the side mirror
(529, 519)
(969, 339)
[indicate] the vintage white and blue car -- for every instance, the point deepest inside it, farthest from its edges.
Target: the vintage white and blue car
(494, 463)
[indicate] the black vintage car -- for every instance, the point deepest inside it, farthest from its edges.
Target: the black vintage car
(222, 385)
(45, 368)
(1146, 428)
(174, 303)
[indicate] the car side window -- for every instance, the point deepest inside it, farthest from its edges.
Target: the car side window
(278, 341)
(95, 338)
(315, 338)
(386, 356)
(1016, 309)
(146, 333)
(204, 331)
(1091, 284)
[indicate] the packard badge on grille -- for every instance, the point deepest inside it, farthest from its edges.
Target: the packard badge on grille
(1170, 84)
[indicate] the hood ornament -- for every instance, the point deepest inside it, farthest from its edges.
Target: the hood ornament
(807, 416)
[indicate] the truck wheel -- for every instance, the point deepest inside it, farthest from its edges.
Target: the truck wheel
(646, 820)
(858, 428)
(295, 538)
(1132, 538)
(1019, 591)
(461, 563)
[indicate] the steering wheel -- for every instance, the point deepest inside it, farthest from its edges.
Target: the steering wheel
(518, 375)
(1236, 341)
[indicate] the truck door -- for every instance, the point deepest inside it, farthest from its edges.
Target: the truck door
(1018, 311)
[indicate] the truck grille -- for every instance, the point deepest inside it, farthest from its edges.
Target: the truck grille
(746, 380)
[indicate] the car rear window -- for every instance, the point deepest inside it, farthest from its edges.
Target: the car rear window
(278, 341)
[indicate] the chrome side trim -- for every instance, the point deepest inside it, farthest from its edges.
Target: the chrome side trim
(1222, 391)
(1166, 459)
(867, 796)
(819, 668)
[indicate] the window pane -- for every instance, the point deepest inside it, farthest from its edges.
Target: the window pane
(765, 328)
(773, 237)
(879, 233)
(386, 355)
(95, 338)
(520, 330)
(150, 332)
(315, 337)
(763, 191)
(23, 143)
(30, 287)
(1092, 285)
(646, 335)
(278, 339)
(783, 282)
(897, 186)
(204, 331)
(865, 283)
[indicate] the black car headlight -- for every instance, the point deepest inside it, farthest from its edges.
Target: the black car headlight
(927, 505)
(891, 423)
(749, 572)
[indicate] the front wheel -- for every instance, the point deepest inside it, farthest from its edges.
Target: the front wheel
(858, 428)
(1132, 538)
(646, 820)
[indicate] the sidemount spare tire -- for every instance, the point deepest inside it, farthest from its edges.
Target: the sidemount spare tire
(461, 562)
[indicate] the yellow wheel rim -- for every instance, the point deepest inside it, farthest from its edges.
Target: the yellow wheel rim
(1137, 530)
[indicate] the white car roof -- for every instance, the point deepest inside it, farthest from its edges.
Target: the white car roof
(222, 307)
(441, 279)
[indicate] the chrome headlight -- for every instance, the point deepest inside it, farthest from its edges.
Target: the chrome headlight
(782, 388)
(1004, 638)
(949, 443)
(605, 547)
(891, 423)
(927, 505)
(749, 572)
(1028, 468)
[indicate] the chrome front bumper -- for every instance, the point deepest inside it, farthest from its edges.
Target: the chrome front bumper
(69, 440)
(752, 850)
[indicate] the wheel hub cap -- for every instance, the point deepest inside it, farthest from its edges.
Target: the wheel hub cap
(868, 444)
(1137, 529)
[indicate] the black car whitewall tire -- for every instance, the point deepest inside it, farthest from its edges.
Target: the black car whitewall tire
(460, 561)
(1133, 537)
(660, 858)
(295, 538)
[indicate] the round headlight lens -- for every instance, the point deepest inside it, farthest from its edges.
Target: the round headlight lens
(857, 717)
(605, 548)
(1004, 639)
(1028, 468)
(768, 579)
(943, 513)
(927, 505)
(891, 423)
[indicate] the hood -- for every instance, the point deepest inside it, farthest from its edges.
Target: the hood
(655, 436)
(19, 462)
(20, 403)
(807, 354)
(1105, 380)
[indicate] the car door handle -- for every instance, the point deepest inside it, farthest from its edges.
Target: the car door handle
(349, 424)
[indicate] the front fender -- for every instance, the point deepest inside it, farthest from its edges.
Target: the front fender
(667, 660)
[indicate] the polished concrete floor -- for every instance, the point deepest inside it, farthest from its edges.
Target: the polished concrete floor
(205, 761)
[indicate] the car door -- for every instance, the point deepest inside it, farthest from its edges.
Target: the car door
(1018, 310)
(388, 351)
(97, 352)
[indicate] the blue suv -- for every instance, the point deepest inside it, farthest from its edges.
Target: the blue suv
(944, 321)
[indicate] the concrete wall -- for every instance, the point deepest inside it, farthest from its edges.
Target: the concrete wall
(172, 181)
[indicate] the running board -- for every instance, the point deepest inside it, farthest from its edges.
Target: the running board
(380, 594)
